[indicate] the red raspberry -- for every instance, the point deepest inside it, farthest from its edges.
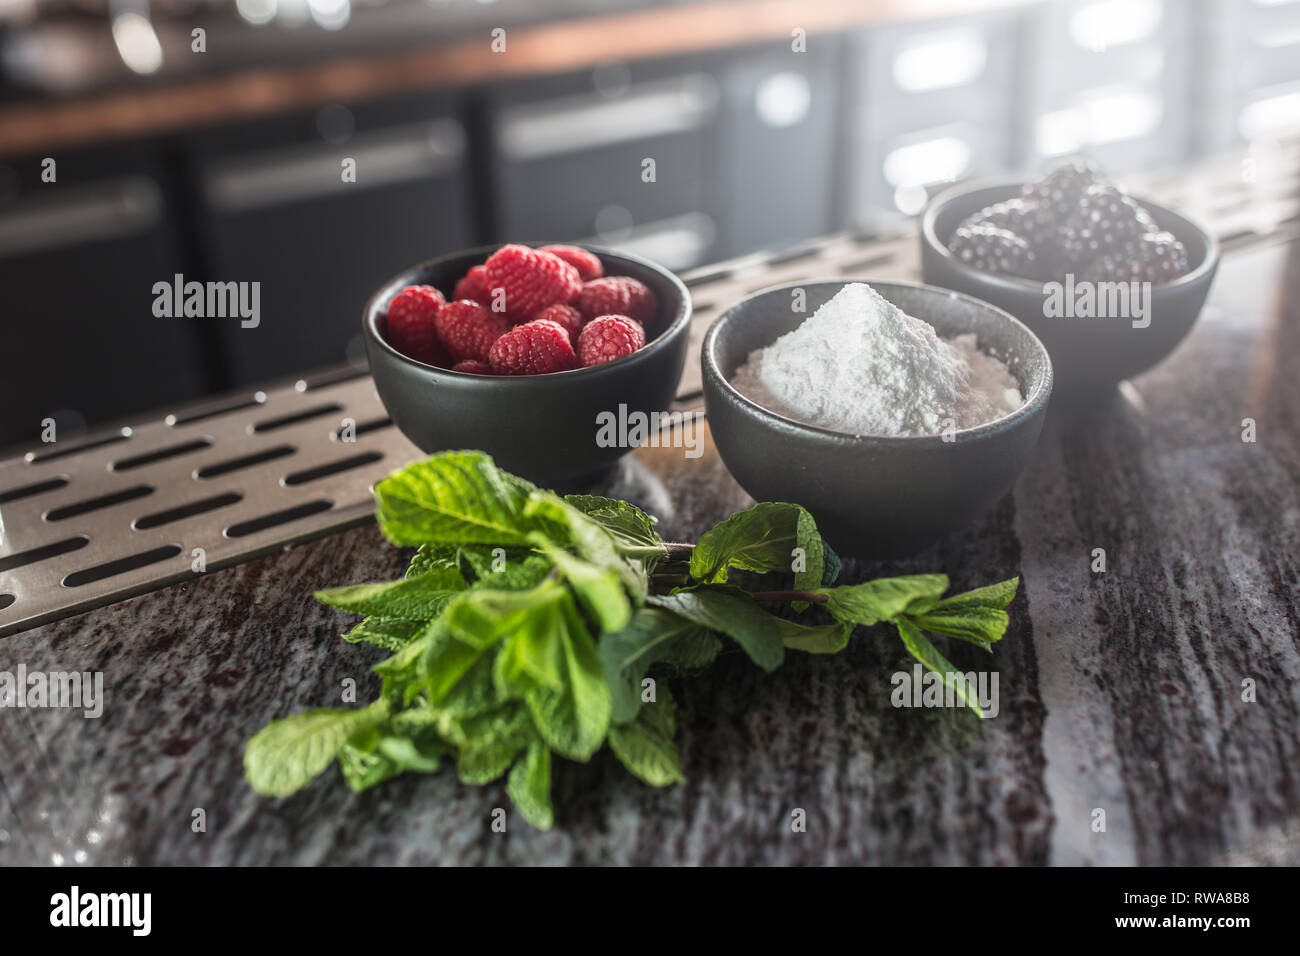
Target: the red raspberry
(473, 367)
(468, 330)
(533, 349)
(608, 337)
(411, 325)
(618, 295)
(474, 286)
(565, 316)
(587, 263)
(532, 280)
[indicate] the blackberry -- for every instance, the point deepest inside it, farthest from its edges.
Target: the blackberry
(992, 249)
(1023, 218)
(1160, 258)
(1163, 257)
(1110, 267)
(1004, 215)
(1147, 220)
(1155, 257)
(1103, 221)
(1057, 193)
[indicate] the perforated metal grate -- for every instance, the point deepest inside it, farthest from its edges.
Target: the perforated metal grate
(125, 511)
(213, 484)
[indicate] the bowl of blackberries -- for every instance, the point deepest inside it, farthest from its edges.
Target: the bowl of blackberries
(1110, 283)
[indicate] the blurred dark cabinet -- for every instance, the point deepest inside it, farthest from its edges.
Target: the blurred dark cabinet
(278, 207)
(684, 160)
(782, 147)
(929, 102)
(78, 260)
(624, 155)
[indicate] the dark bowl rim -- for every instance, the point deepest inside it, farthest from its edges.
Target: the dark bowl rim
(372, 312)
(1032, 405)
(930, 236)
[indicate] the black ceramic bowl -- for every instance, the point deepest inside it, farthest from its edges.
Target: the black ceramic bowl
(543, 427)
(1090, 355)
(873, 496)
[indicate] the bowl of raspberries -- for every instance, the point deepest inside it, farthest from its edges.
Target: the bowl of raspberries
(525, 351)
(1110, 283)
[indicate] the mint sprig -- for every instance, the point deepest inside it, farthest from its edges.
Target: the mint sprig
(529, 626)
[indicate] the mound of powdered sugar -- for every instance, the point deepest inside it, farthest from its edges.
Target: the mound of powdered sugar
(861, 365)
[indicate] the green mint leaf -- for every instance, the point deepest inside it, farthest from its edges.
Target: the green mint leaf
(976, 616)
(529, 785)
(419, 598)
(450, 646)
(505, 727)
(553, 665)
(884, 598)
(480, 618)
(575, 720)
(920, 647)
(455, 497)
(483, 559)
(385, 755)
(476, 711)
(431, 557)
(831, 565)
(446, 660)
(535, 653)
(433, 662)
(503, 569)
(421, 753)
(814, 548)
(390, 633)
(996, 596)
(364, 769)
(414, 721)
(599, 590)
(814, 639)
(480, 762)
(407, 663)
(647, 747)
(761, 539)
(487, 729)
(653, 636)
(550, 662)
(286, 755)
(734, 613)
(981, 626)
(562, 523)
(630, 527)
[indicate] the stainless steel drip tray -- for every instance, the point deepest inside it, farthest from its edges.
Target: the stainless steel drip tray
(86, 523)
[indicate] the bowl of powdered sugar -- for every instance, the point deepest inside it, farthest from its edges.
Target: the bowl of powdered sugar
(894, 412)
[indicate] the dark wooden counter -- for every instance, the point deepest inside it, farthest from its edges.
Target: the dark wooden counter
(1120, 691)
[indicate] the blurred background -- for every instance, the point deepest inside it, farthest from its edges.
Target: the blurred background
(206, 137)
